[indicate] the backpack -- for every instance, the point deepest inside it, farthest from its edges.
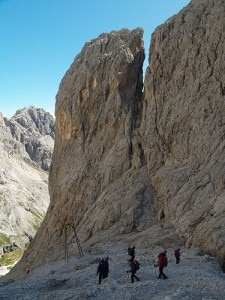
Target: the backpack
(162, 260)
(157, 261)
(137, 264)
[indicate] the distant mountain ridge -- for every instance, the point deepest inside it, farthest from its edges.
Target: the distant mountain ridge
(26, 146)
(35, 129)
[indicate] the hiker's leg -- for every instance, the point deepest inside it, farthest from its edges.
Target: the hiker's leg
(99, 278)
(162, 274)
(136, 277)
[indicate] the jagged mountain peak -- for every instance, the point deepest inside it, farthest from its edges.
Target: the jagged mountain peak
(37, 118)
(34, 128)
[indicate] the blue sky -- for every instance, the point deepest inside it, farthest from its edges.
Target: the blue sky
(40, 39)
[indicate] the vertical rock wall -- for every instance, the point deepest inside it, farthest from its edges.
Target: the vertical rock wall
(184, 123)
(98, 173)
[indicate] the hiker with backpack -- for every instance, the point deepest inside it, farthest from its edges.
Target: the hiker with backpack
(134, 267)
(103, 269)
(162, 263)
(177, 254)
(100, 270)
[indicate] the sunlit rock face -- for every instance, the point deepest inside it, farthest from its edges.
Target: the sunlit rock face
(184, 123)
(98, 175)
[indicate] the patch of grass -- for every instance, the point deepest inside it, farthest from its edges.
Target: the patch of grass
(36, 225)
(8, 239)
(4, 239)
(36, 214)
(38, 218)
(8, 259)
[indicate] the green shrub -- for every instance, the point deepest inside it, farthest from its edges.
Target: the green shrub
(10, 258)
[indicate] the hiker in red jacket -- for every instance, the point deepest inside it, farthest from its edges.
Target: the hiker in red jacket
(162, 263)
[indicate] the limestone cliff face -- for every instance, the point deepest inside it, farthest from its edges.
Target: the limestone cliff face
(122, 158)
(184, 126)
(97, 170)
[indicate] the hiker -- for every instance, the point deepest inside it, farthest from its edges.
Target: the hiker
(162, 263)
(131, 252)
(134, 266)
(100, 270)
(177, 254)
(105, 267)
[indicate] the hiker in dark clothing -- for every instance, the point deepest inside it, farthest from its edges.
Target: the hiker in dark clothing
(162, 263)
(131, 252)
(133, 270)
(177, 254)
(100, 271)
(105, 267)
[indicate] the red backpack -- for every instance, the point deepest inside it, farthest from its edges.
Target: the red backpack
(162, 260)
